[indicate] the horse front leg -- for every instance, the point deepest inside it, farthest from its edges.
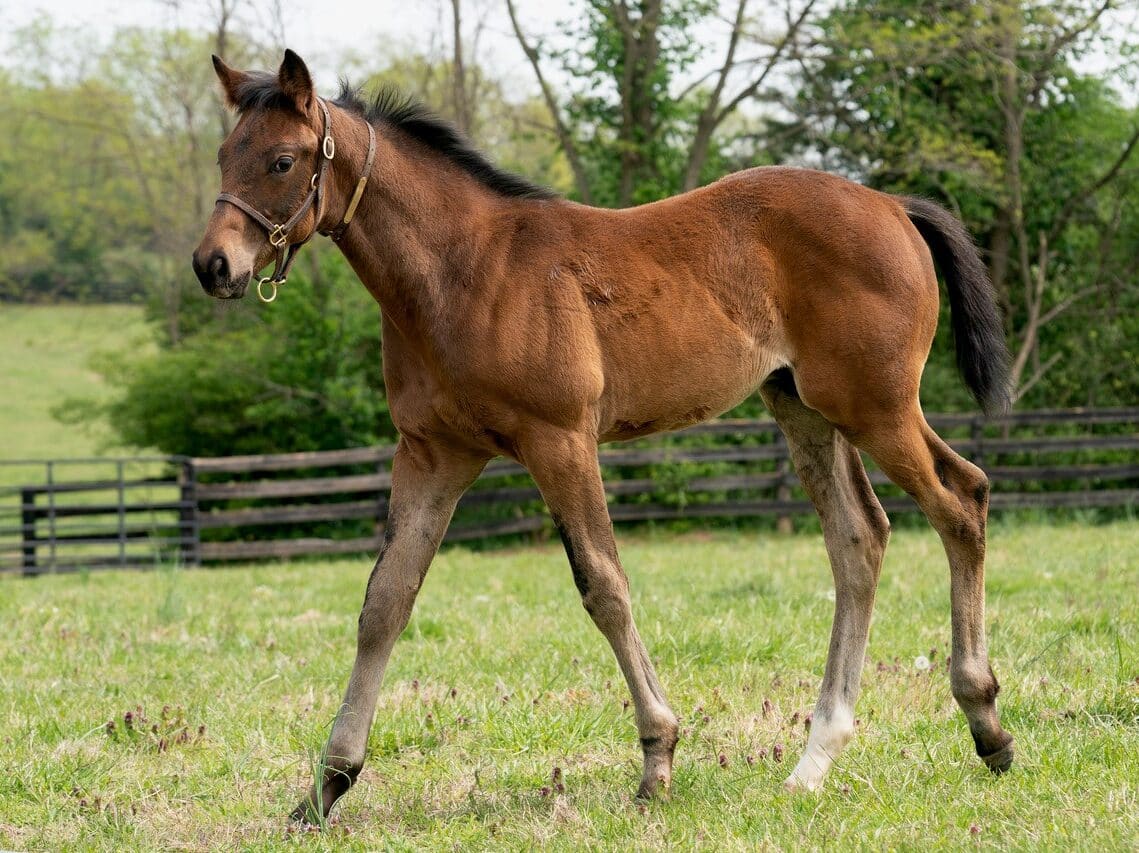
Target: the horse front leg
(566, 470)
(427, 482)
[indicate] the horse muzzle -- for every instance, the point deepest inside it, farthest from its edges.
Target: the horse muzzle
(215, 273)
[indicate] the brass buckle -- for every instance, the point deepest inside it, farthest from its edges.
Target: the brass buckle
(277, 237)
(272, 294)
(328, 148)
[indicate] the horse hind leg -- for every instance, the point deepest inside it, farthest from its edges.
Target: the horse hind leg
(954, 495)
(856, 532)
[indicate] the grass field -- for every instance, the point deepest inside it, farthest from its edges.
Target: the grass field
(45, 357)
(501, 678)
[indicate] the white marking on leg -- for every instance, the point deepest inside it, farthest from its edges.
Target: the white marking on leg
(828, 736)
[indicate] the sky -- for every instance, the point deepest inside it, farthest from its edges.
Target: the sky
(319, 30)
(325, 32)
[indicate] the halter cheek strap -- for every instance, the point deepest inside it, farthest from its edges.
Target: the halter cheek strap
(279, 234)
(336, 233)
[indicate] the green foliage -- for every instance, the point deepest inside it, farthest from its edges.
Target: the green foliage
(65, 201)
(107, 170)
(633, 133)
(512, 131)
(980, 107)
(303, 375)
(108, 176)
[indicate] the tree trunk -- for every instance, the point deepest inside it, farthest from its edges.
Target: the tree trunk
(641, 50)
(463, 118)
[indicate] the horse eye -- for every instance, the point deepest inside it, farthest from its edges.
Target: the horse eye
(283, 165)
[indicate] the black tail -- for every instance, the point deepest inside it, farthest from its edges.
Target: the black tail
(982, 355)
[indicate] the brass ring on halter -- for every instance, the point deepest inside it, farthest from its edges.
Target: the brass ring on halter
(328, 148)
(312, 183)
(261, 294)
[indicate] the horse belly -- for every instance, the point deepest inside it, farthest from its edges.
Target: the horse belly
(676, 381)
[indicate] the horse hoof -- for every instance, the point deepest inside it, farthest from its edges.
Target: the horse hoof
(305, 813)
(1000, 761)
(651, 787)
(797, 785)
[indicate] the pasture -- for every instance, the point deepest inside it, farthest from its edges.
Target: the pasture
(45, 358)
(503, 723)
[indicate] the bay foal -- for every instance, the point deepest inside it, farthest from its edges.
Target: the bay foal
(517, 323)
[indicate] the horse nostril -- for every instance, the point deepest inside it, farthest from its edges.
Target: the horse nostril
(219, 267)
(200, 270)
(212, 271)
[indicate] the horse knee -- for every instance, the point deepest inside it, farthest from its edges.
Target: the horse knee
(599, 579)
(606, 598)
(386, 612)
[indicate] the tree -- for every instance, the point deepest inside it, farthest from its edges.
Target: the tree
(305, 374)
(108, 173)
(627, 130)
(69, 195)
(513, 132)
(980, 105)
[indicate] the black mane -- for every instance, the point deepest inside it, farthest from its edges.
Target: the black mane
(262, 91)
(438, 134)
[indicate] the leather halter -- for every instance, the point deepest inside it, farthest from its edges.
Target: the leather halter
(279, 234)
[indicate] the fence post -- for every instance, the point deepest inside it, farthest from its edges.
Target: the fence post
(51, 514)
(122, 500)
(188, 530)
(28, 530)
(783, 523)
(977, 433)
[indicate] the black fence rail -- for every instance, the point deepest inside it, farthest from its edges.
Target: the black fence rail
(95, 513)
(144, 511)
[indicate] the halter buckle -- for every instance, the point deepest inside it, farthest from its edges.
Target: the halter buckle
(328, 147)
(272, 294)
(277, 238)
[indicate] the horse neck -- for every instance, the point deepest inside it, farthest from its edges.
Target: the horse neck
(417, 231)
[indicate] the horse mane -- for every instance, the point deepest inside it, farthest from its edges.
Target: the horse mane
(390, 106)
(261, 90)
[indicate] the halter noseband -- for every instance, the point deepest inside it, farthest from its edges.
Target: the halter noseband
(279, 234)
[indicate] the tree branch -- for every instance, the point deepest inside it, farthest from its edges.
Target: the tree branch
(1073, 201)
(713, 115)
(792, 30)
(706, 121)
(1064, 304)
(565, 138)
(1037, 375)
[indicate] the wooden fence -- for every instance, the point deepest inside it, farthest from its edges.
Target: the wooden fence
(193, 511)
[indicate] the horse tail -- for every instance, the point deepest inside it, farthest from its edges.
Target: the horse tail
(978, 334)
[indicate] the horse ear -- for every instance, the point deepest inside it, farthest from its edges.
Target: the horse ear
(231, 79)
(296, 82)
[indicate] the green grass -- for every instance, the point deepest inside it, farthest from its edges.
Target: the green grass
(259, 656)
(45, 357)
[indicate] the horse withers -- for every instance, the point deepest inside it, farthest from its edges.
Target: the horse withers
(518, 323)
